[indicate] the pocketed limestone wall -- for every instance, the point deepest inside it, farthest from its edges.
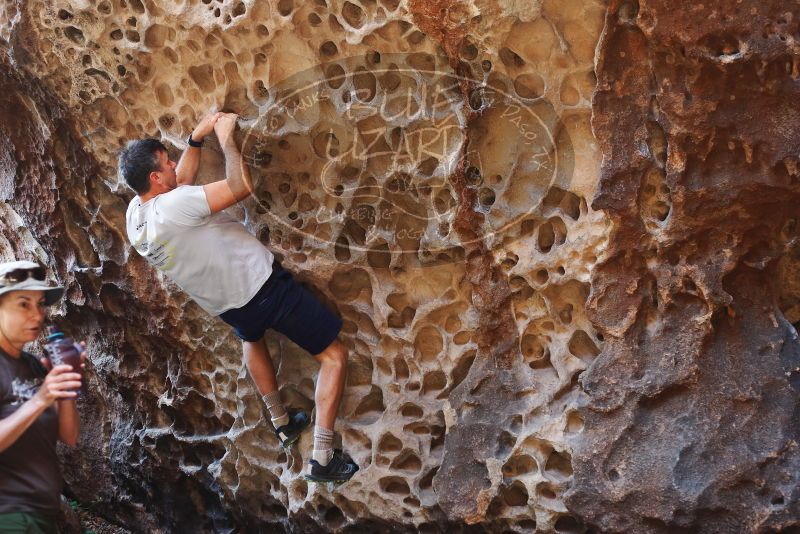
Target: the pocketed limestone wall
(541, 331)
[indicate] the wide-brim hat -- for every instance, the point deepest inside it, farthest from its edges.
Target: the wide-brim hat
(52, 293)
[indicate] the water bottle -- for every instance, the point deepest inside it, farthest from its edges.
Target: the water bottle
(62, 350)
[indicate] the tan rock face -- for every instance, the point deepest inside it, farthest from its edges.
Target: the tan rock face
(428, 168)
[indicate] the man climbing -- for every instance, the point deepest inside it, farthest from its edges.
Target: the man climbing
(182, 230)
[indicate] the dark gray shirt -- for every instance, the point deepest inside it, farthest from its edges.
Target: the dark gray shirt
(30, 478)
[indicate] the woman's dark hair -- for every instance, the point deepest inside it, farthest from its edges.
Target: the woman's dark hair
(137, 160)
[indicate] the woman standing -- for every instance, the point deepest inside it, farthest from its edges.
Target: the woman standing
(37, 406)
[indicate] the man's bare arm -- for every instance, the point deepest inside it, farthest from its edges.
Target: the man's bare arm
(186, 171)
(237, 184)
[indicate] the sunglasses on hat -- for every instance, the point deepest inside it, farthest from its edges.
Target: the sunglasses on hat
(20, 275)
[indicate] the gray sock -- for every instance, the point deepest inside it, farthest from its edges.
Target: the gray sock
(323, 445)
(276, 410)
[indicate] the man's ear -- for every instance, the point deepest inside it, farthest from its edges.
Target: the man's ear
(154, 178)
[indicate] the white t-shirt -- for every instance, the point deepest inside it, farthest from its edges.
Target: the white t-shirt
(211, 257)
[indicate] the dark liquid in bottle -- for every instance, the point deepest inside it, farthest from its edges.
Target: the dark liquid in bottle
(62, 350)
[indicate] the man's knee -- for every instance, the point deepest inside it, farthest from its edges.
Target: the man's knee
(335, 354)
(254, 349)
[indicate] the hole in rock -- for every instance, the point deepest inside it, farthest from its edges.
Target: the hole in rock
(505, 443)
(720, 44)
(486, 197)
(515, 494)
(74, 35)
(529, 85)
(347, 285)
(519, 464)
(328, 48)
(534, 351)
(433, 381)
(628, 11)
(342, 249)
(568, 525)
(473, 176)
(389, 443)
(468, 50)
(510, 58)
(552, 233)
(394, 485)
(566, 201)
(427, 481)
(400, 368)
(574, 422)
(379, 257)
(156, 36)
(559, 465)
(411, 410)
(334, 517)
(285, 7)
(565, 313)
(582, 346)
(546, 491)
(407, 461)
(353, 14)
(461, 369)
(428, 343)
(411, 501)
(335, 76)
(371, 407)
(203, 76)
(137, 6)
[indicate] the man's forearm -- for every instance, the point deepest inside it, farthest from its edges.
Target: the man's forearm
(68, 422)
(237, 173)
(186, 171)
(13, 426)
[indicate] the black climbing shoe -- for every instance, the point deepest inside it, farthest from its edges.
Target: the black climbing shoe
(340, 469)
(289, 433)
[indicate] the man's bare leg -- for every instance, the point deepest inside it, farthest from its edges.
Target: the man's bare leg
(259, 365)
(330, 386)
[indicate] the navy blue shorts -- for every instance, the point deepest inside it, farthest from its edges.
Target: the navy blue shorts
(287, 307)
